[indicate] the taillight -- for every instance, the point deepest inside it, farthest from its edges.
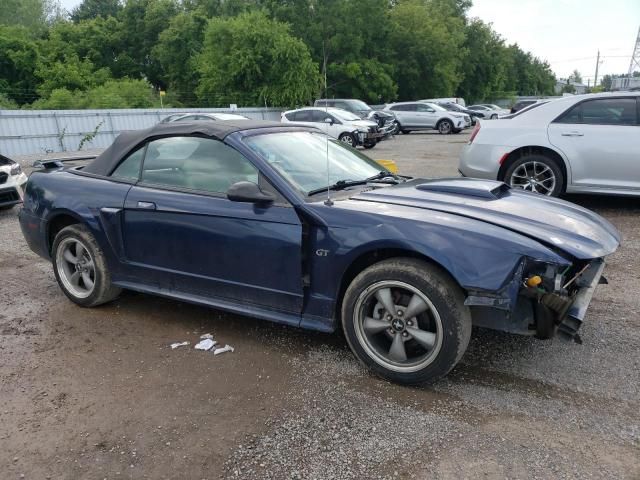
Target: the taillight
(474, 132)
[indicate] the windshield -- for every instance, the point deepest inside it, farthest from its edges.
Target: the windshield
(359, 105)
(301, 158)
(344, 115)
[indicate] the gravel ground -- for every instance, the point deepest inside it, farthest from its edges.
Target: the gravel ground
(99, 394)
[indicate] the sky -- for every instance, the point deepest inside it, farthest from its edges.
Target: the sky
(566, 33)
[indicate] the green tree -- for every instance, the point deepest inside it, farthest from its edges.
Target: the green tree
(576, 76)
(252, 60)
(141, 22)
(428, 46)
(348, 39)
(90, 9)
(177, 53)
(483, 70)
(18, 60)
(7, 103)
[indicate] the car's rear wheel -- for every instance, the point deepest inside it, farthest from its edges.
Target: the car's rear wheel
(404, 131)
(405, 319)
(348, 138)
(80, 267)
(369, 144)
(535, 173)
(445, 127)
(494, 116)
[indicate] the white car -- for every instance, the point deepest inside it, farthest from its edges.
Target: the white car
(457, 100)
(490, 112)
(426, 116)
(12, 181)
(577, 144)
(337, 123)
(193, 117)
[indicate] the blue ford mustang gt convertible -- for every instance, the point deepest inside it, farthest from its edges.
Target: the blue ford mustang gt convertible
(282, 223)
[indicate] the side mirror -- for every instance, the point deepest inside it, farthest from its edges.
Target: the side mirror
(248, 192)
(328, 120)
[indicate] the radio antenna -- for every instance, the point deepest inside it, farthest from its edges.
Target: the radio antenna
(328, 202)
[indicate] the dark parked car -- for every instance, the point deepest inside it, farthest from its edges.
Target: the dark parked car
(237, 216)
(454, 107)
(522, 104)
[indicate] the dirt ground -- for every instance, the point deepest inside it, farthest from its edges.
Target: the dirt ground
(100, 394)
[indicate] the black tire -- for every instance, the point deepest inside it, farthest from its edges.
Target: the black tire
(396, 127)
(405, 131)
(445, 296)
(103, 290)
(544, 184)
(349, 139)
(445, 127)
(494, 116)
(369, 145)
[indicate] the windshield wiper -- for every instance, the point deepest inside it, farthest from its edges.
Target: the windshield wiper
(342, 184)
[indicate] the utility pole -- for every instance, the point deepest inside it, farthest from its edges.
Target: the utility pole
(595, 80)
(635, 57)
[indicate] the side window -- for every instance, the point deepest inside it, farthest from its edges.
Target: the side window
(421, 107)
(291, 116)
(604, 111)
(129, 168)
(318, 116)
(304, 116)
(196, 163)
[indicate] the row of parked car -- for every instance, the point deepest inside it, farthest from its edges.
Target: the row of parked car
(355, 123)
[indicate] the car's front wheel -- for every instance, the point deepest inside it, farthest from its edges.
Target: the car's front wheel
(535, 173)
(445, 127)
(406, 320)
(349, 139)
(81, 268)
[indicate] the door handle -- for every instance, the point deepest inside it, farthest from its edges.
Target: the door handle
(147, 205)
(572, 134)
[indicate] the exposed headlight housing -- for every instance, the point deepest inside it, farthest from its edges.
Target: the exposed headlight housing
(15, 169)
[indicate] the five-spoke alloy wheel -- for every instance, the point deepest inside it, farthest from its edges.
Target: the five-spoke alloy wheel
(80, 267)
(406, 320)
(398, 326)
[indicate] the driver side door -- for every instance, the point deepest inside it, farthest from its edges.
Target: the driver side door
(182, 233)
(427, 115)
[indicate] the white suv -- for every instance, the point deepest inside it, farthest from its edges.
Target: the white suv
(12, 183)
(576, 144)
(427, 116)
(337, 123)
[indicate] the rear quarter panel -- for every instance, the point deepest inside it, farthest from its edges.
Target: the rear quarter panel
(92, 201)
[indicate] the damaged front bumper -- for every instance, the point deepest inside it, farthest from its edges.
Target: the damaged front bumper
(559, 308)
(572, 320)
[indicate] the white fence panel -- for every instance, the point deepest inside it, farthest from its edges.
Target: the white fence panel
(28, 132)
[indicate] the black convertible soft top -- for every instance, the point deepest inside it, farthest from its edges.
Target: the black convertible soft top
(126, 141)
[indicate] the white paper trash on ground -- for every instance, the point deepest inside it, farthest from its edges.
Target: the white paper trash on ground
(206, 336)
(206, 344)
(224, 349)
(179, 344)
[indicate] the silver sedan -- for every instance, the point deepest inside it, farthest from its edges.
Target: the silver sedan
(576, 144)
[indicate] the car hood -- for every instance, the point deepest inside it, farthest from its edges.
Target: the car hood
(363, 123)
(556, 223)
